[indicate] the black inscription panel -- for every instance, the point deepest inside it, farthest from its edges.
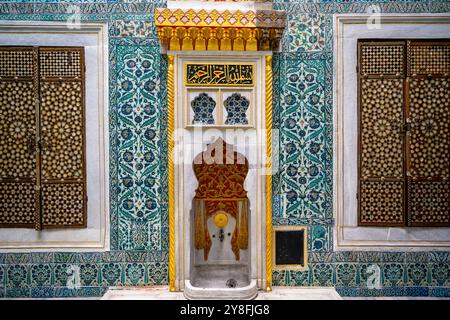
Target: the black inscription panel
(289, 247)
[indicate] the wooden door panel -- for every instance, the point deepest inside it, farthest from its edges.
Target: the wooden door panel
(18, 123)
(63, 139)
(381, 182)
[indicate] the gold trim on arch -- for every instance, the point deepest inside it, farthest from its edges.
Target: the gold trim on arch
(170, 144)
(268, 173)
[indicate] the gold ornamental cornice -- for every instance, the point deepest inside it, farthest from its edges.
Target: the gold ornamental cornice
(228, 30)
(215, 18)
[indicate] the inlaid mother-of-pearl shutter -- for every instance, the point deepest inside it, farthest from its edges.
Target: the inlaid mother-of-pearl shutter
(19, 197)
(63, 170)
(381, 73)
(428, 116)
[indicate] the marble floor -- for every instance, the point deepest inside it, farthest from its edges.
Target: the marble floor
(278, 293)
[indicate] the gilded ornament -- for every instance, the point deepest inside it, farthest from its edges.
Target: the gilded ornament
(220, 190)
(219, 30)
(220, 219)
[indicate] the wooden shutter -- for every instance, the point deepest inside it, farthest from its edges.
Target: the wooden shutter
(19, 197)
(381, 180)
(42, 142)
(428, 115)
(63, 172)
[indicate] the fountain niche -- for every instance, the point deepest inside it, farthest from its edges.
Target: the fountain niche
(220, 218)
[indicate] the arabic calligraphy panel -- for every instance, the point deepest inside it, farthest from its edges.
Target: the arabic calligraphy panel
(206, 74)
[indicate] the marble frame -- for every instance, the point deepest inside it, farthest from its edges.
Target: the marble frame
(255, 180)
(348, 235)
(94, 37)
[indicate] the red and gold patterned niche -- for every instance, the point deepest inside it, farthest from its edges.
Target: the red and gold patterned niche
(221, 173)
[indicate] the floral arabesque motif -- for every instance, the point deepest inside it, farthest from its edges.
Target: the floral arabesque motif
(41, 275)
(203, 107)
(135, 273)
(138, 146)
(111, 273)
(236, 106)
(393, 274)
(17, 276)
(307, 32)
(305, 138)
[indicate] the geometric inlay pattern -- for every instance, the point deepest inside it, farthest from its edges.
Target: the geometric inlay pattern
(236, 106)
(381, 137)
(63, 204)
(49, 150)
(16, 63)
(62, 130)
(381, 113)
(429, 203)
(430, 127)
(382, 59)
(428, 186)
(17, 204)
(61, 63)
(17, 129)
(429, 58)
(404, 133)
(62, 138)
(18, 168)
(381, 202)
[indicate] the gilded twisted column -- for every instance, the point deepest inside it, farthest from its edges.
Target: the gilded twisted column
(268, 173)
(170, 145)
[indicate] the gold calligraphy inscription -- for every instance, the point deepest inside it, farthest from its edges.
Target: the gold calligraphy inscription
(219, 74)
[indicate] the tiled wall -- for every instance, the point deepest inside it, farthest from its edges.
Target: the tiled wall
(46, 274)
(138, 159)
(303, 188)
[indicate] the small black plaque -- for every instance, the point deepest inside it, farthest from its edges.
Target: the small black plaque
(289, 247)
